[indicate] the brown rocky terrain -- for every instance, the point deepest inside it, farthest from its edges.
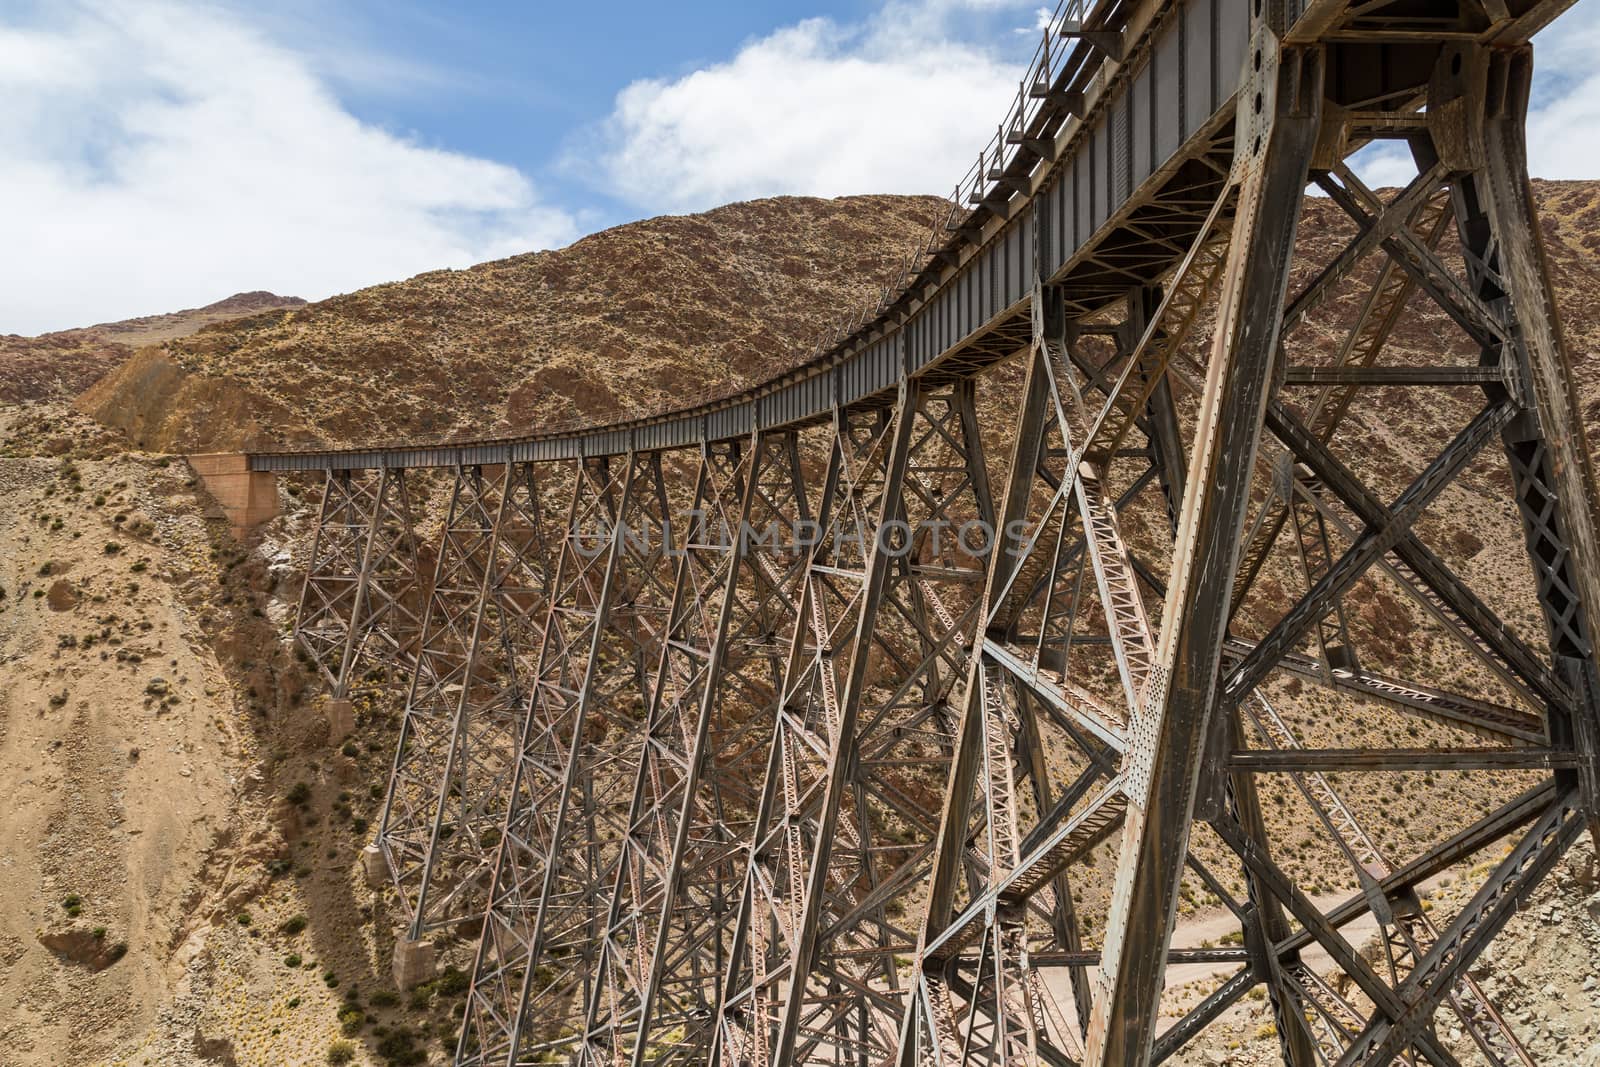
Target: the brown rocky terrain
(59, 366)
(210, 826)
(617, 322)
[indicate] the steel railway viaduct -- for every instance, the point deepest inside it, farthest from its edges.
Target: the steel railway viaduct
(882, 797)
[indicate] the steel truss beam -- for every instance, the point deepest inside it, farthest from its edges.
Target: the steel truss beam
(871, 797)
(359, 607)
(450, 780)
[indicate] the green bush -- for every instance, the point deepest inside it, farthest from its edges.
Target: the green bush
(400, 1048)
(341, 1051)
(452, 982)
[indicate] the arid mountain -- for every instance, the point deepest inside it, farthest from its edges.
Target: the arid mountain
(61, 365)
(619, 321)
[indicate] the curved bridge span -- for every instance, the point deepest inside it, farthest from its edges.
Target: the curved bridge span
(1117, 567)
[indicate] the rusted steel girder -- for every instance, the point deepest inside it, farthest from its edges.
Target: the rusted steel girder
(359, 608)
(449, 784)
(993, 786)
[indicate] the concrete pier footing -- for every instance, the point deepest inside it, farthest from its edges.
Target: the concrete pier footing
(341, 716)
(247, 498)
(374, 867)
(413, 962)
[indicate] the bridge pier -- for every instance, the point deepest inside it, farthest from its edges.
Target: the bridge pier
(247, 498)
(340, 714)
(374, 867)
(413, 961)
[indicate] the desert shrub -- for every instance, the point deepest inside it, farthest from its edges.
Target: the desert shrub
(452, 982)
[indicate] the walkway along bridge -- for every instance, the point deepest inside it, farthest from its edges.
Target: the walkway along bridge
(886, 799)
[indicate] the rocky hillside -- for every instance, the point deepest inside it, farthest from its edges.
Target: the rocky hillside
(616, 322)
(59, 366)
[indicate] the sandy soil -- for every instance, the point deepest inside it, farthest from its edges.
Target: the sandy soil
(177, 884)
(119, 747)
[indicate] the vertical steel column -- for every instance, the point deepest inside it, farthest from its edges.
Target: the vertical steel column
(741, 1026)
(455, 755)
(608, 713)
(742, 676)
(1550, 457)
(816, 728)
(1477, 113)
(880, 737)
(580, 599)
(1278, 125)
(803, 952)
(669, 764)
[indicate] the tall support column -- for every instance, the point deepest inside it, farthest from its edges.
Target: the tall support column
(1065, 571)
(868, 713)
(809, 776)
(454, 760)
(692, 658)
(1476, 114)
(1167, 736)
(1481, 100)
(604, 716)
(358, 607)
(732, 707)
(580, 598)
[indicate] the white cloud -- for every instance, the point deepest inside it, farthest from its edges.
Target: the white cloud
(1564, 118)
(818, 107)
(156, 155)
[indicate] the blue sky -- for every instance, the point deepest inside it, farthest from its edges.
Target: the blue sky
(158, 154)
